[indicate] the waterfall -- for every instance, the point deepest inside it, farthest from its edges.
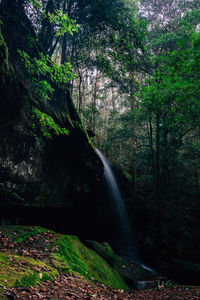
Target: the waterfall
(128, 247)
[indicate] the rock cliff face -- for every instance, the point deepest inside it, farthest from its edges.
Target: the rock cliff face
(63, 174)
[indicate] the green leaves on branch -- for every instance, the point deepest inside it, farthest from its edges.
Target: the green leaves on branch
(44, 71)
(43, 88)
(60, 20)
(62, 23)
(36, 3)
(42, 68)
(45, 66)
(48, 125)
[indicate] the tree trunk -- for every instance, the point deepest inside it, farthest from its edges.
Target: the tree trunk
(79, 91)
(64, 39)
(157, 156)
(150, 134)
(94, 103)
(157, 183)
(47, 34)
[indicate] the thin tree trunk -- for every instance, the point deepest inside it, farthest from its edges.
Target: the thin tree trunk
(150, 133)
(64, 39)
(157, 184)
(79, 91)
(94, 104)
(165, 167)
(135, 176)
(46, 34)
(157, 156)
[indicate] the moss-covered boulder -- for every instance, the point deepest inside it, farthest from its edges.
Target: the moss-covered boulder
(31, 255)
(131, 272)
(105, 251)
(78, 258)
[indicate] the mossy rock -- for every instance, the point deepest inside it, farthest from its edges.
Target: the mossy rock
(131, 272)
(65, 253)
(105, 251)
(23, 271)
(78, 258)
(21, 233)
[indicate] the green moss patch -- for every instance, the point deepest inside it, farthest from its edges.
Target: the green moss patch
(23, 271)
(105, 251)
(21, 233)
(76, 257)
(131, 272)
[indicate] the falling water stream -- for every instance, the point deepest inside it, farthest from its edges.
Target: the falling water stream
(128, 247)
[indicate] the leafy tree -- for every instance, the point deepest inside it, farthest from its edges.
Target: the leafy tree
(45, 72)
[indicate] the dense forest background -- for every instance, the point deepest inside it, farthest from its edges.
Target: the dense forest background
(132, 70)
(138, 90)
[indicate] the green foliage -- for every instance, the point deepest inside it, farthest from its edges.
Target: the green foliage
(165, 284)
(48, 126)
(174, 86)
(36, 3)
(43, 88)
(152, 132)
(44, 72)
(62, 23)
(44, 67)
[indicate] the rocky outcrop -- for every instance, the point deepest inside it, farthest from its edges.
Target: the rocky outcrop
(64, 172)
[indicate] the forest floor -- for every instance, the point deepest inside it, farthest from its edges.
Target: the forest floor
(70, 286)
